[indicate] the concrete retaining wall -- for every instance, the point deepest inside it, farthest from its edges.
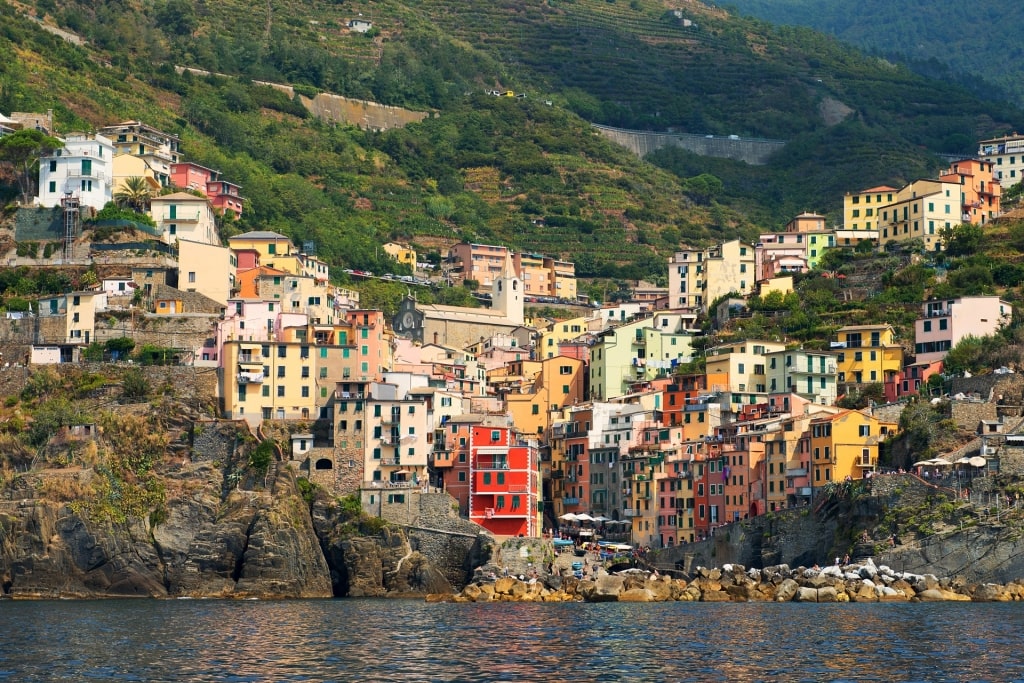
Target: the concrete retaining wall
(754, 151)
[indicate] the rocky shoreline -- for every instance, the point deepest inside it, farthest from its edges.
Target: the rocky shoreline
(858, 582)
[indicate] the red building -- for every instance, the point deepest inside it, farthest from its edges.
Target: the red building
(503, 481)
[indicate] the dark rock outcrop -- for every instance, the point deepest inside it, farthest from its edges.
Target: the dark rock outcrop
(252, 544)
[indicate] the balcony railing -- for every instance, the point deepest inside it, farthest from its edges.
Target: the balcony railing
(630, 512)
(250, 377)
(570, 501)
(182, 218)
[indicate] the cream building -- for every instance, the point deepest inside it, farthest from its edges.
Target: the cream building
(184, 216)
(206, 268)
(697, 277)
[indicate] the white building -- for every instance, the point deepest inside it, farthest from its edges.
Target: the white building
(82, 168)
(1007, 156)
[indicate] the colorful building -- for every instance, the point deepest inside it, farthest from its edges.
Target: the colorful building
(867, 354)
(184, 216)
(944, 323)
(504, 495)
(845, 445)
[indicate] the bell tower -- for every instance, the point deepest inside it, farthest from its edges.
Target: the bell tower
(507, 293)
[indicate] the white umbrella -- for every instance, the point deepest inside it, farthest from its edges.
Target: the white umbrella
(923, 463)
(940, 462)
(601, 518)
(584, 517)
(964, 461)
(569, 517)
(978, 461)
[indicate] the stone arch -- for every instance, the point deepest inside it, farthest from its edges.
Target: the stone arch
(324, 464)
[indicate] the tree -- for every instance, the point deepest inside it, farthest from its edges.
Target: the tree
(21, 151)
(962, 240)
(702, 188)
(134, 193)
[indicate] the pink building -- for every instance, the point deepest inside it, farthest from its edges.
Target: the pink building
(945, 323)
(910, 380)
(223, 196)
(370, 342)
(244, 320)
(191, 176)
(781, 253)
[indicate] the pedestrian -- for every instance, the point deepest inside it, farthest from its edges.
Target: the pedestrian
(837, 560)
(846, 559)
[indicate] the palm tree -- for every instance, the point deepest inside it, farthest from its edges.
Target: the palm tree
(134, 193)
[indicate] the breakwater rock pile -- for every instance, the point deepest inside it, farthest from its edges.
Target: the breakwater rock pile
(861, 582)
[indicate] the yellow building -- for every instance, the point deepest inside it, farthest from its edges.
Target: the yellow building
(738, 372)
(845, 445)
(867, 354)
(558, 332)
(128, 166)
(268, 380)
(860, 209)
(401, 253)
(268, 244)
(921, 211)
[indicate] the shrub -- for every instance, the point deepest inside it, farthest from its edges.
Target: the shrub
(261, 458)
(134, 384)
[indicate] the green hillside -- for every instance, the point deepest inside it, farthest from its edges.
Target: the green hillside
(526, 172)
(977, 44)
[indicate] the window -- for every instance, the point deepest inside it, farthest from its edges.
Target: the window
(280, 391)
(280, 370)
(192, 276)
(282, 351)
(535, 409)
(305, 392)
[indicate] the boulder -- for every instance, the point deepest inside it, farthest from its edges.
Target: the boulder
(715, 596)
(503, 586)
(636, 595)
(660, 589)
(805, 594)
(606, 589)
(786, 591)
(472, 592)
(865, 593)
(827, 594)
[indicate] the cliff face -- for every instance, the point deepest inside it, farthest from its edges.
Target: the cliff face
(221, 531)
(252, 544)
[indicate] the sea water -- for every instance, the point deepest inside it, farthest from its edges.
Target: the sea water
(409, 640)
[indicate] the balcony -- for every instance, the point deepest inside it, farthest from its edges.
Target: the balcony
(174, 217)
(250, 378)
(391, 462)
(630, 512)
(570, 501)
(804, 491)
(798, 472)
(349, 395)
(492, 466)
